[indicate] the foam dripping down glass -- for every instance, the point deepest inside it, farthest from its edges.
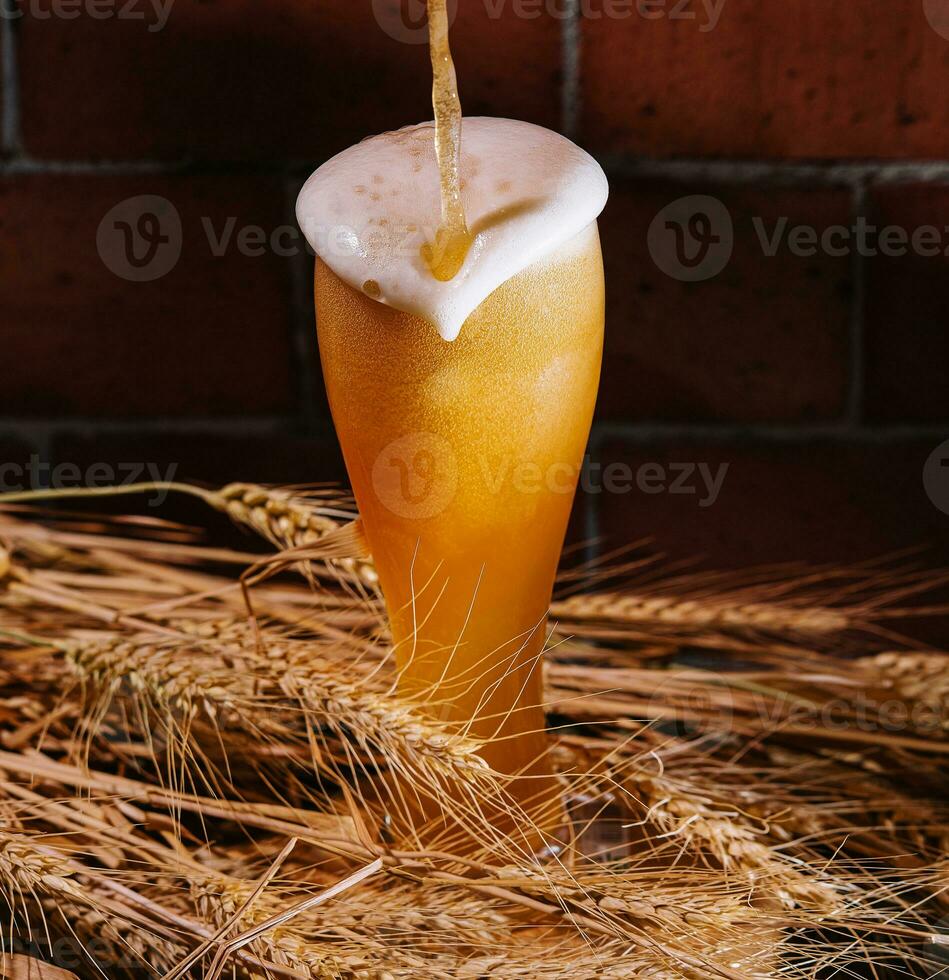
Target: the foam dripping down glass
(463, 407)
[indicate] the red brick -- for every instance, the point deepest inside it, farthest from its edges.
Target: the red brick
(830, 502)
(210, 338)
(264, 79)
(764, 340)
(907, 344)
(210, 457)
(775, 78)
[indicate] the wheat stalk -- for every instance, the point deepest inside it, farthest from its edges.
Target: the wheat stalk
(290, 521)
(395, 942)
(218, 900)
(700, 614)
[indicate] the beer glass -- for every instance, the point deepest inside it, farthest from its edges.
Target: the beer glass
(464, 458)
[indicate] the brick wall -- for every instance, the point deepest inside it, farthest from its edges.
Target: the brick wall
(816, 373)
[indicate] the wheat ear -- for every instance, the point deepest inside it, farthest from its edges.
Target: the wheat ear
(684, 813)
(677, 613)
(919, 678)
(35, 878)
(221, 675)
(286, 519)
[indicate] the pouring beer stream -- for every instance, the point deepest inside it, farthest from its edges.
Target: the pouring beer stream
(446, 255)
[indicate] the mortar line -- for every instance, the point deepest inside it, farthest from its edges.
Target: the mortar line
(37, 429)
(42, 448)
(647, 433)
(571, 51)
(631, 432)
(28, 165)
(795, 172)
(10, 129)
(736, 171)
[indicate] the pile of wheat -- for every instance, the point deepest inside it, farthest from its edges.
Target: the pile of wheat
(205, 769)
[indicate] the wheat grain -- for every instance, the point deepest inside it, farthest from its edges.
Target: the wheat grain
(287, 520)
(27, 869)
(918, 677)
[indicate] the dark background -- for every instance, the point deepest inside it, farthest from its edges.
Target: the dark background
(820, 380)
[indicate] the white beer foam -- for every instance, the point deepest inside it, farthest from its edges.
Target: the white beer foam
(526, 191)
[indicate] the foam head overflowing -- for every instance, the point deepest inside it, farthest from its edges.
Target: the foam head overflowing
(369, 212)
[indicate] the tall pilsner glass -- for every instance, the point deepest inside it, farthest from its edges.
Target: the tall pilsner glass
(463, 405)
(464, 459)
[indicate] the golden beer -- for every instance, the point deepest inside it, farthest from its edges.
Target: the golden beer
(464, 458)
